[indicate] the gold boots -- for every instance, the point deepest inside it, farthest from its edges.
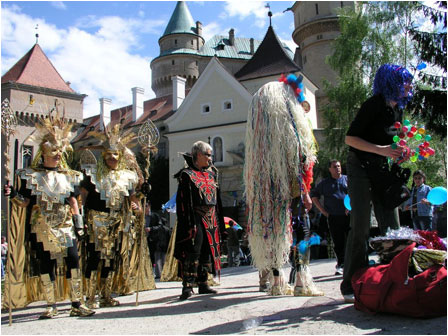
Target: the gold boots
(92, 303)
(106, 299)
(76, 295)
(48, 288)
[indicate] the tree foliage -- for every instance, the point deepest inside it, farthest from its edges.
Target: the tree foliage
(372, 34)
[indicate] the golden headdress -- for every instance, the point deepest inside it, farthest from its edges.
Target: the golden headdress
(53, 134)
(113, 139)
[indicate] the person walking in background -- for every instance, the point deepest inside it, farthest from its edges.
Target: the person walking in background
(233, 245)
(334, 189)
(4, 255)
(153, 224)
(370, 137)
(200, 221)
(4, 250)
(421, 209)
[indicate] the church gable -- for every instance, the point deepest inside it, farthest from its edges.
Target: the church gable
(216, 99)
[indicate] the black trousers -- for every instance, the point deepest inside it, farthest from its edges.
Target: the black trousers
(339, 227)
(93, 261)
(48, 265)
(198, 262)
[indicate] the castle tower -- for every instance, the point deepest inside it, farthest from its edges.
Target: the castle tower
(316, 27)
(179, 47)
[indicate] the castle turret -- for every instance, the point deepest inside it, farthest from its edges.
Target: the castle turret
(179, 47)
(316, 27)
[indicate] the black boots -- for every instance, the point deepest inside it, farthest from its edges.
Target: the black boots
(186, 293)
(204, 288)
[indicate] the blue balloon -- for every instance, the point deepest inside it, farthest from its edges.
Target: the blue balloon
(291, 78)
(303, 246)
(347, 202)
(314, 239)
(437, 196)
(421, 66)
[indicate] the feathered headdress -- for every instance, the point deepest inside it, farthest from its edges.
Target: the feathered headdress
(53, 131)
(113, 139)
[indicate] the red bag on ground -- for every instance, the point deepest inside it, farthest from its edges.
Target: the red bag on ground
(389, 289)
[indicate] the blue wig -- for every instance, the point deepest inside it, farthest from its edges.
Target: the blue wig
(389, 82)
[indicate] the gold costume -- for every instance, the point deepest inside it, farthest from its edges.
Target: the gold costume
(114, 229)
(39, 244)
(51, 219)
(104, 227)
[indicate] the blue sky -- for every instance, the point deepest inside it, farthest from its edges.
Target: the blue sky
(104, 48)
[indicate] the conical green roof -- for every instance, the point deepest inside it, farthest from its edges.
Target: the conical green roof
(181, 21)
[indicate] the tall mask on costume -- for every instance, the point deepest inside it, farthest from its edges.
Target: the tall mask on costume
(53, 134)
(115, 149)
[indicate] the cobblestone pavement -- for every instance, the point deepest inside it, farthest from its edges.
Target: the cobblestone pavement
(238, 308)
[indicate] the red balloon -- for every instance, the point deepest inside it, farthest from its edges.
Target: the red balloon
(426, 144)
(405, 129)
(401, 135)
(410, 134)
(397, 125)
(413, 129)
(430, 151)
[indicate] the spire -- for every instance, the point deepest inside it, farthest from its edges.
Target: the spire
(181, 21)
(269, 59)
(269, 13)
(37, 33)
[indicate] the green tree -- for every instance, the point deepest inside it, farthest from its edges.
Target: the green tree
(372, 34)
(429, 103)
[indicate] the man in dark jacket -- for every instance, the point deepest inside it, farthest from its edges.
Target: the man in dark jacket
(199, 220)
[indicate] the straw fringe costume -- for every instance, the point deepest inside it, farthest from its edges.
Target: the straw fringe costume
(280, 154)
(199, 212)
(44, 238)
(114, 230)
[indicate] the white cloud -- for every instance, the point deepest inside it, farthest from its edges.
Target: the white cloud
(212, 29)
(99, 61)
(58, 4)
(243, 9)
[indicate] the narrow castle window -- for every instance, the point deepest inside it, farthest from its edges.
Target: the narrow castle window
(317, 9)
(217, 149)
(27, 156)
(205, 109)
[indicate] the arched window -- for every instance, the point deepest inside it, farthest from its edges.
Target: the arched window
(217, 149)
(27, 156)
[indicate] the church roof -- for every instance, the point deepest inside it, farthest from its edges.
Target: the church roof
(271, 58)
(35, 69)
(181, 21)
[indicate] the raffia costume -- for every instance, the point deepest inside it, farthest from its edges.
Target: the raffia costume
(199, 209)
(115, 248)
(43, 233)
(280, 154)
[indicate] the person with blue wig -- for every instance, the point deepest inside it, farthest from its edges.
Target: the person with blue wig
(369, 137)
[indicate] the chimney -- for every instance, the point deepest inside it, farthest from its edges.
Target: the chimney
(104, 112)
(178, 91)
(199, 28)
(232, 37)
(137, 103)
(252, 48)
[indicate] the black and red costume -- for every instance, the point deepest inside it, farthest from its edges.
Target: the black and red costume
(200, 223)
